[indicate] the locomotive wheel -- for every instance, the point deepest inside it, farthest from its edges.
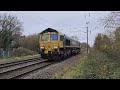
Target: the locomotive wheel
(43, 56)
(49, 59)
(65, 54)
(62, 56)
(56, 57)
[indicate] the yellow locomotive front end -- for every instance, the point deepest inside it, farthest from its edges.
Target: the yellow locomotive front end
(49, 44)
(56, 46)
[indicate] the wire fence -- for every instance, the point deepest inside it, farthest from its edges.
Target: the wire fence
(6, 53)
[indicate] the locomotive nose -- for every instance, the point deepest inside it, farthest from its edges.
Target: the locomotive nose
(48, 46)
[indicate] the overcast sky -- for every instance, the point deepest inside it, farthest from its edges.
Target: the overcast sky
(70, 23)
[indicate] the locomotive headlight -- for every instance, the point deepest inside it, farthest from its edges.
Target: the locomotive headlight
(55, 47)
(42, 47)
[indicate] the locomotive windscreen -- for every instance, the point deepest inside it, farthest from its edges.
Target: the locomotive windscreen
(45, 37)
(53, 37)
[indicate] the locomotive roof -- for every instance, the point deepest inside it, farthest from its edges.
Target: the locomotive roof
(53, 30)
(50, 30)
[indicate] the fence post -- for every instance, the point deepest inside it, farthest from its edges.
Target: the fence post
(8, 54)
(0, 52)
(3, 53)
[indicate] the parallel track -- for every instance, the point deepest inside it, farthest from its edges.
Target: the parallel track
(16, 70)
(21, 70)
(4, 65)
(32, 70)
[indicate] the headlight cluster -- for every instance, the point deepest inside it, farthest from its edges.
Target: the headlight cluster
(42, 47)
(55, 47)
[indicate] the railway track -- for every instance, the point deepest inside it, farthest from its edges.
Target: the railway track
(15, 70)
(8, 64)
(19, 69)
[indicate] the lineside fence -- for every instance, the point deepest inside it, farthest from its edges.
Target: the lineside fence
(6, 53)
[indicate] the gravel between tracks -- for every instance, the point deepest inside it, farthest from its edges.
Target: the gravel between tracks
(48, 72)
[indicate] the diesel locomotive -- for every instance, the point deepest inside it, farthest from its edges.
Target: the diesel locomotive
(55, 45)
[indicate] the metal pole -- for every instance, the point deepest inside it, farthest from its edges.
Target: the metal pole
(87, 39)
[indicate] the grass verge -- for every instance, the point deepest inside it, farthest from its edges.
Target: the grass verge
(95, 65)
(4, 60)
(72, 72)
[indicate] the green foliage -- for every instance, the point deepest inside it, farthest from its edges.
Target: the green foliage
(84, 45)
(23, 52)
(102, 62)
(98, 66)
(95, 65)
(106, 57)
(10, 36)
(102, 43)
(30, 42)
(98, 41)
(115, 49)
(110, 46)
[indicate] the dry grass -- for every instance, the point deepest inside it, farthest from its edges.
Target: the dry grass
(18, 58)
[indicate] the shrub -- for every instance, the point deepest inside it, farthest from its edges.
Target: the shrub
(23, 52)
(99, 66)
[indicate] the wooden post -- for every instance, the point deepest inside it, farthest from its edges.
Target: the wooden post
(8, 54)
(3, 53)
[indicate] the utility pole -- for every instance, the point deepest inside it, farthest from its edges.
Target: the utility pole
(87, 29)
(87, 39)
(87, 35)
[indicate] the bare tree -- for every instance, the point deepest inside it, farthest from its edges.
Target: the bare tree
(10, 29)
(112, 21)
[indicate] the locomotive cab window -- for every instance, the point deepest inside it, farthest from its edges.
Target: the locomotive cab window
(45, 37)
(53, 37)
(61, 38)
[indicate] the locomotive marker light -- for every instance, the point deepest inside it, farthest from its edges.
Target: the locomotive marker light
(42, 47)
(55, 47)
